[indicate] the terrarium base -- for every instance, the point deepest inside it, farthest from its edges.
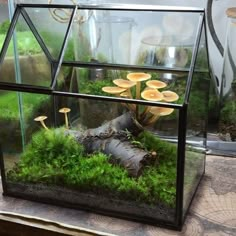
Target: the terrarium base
(157, 215)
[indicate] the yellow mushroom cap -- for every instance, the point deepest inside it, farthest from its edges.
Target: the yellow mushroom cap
(137, 77)
(40, 118)
(170, 96)
(161, 111)
(152, 95)
(113, 90)
(64, 110)
(155, 84)
(123, 83)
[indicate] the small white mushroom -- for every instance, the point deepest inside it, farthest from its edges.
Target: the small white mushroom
(41, 120)
(65, 110)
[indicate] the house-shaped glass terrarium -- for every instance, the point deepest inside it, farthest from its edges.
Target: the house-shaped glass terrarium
(105, 108)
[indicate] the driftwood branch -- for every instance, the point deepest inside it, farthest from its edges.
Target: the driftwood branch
(111, 138)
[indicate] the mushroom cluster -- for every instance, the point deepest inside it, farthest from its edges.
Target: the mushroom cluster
(149, 114)
(63, 110)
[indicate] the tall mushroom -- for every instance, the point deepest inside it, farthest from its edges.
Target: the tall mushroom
(138, 78)
(122, 83)
(157, 112)
(65, 110)
(150, 95)
(41, 120)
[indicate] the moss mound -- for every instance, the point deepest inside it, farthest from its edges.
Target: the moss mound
(54, 158)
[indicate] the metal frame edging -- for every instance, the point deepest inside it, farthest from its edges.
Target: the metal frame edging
(63, 48)
(194, 57)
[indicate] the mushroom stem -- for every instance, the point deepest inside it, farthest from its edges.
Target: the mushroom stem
(131, 107)
(145, 111)
(65, 110)
(43, 124)
(138, 88)
(66, 121)
(129, 93)
(152, 119)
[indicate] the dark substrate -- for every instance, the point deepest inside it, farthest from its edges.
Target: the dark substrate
(88, 201)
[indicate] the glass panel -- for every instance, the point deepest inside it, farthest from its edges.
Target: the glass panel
(197, 115)
(25, 54)
(202, 56)
(51, 24)
(10, 125)
(18, 113)
(155, 38)
(4, 19)
(169, 87)
(126, 169)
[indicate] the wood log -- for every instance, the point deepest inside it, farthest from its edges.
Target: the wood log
(111, 138)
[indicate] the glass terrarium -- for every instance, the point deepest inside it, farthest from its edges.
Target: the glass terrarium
(105, 112)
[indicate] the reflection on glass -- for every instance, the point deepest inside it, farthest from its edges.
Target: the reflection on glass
(194, 169)
(196, 125)
(32, 65)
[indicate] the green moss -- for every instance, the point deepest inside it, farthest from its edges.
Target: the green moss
(54, 158)
(166, 151)
(46, 157)
(95, 87)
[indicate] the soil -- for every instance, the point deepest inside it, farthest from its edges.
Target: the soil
(102, 204)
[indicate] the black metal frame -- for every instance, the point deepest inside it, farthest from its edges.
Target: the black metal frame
(56, 64)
